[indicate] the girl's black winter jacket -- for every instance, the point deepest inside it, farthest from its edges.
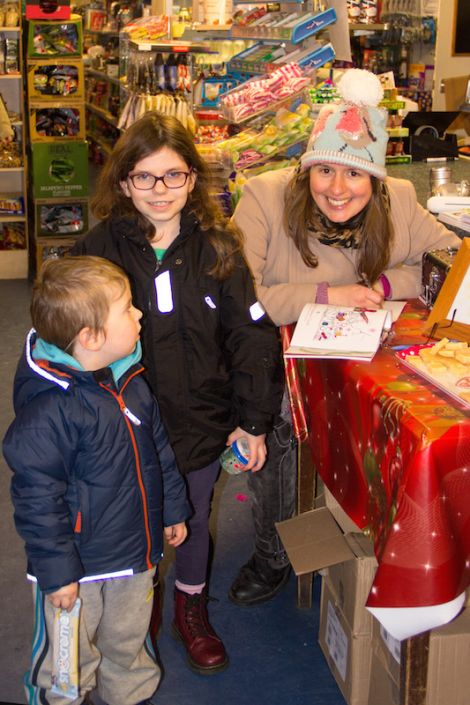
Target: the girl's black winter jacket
(212, 356)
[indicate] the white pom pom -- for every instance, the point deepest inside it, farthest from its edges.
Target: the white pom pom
(360, 87)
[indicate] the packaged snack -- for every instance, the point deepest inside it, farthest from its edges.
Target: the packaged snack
(65, 652)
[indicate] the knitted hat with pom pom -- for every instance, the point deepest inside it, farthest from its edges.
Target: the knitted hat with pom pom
(351, 132)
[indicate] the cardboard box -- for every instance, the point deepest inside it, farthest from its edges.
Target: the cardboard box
(455, 90)
(348, 654)
(49, 80)
(56, 121)
(345, 522)
(58, 39)
(448, 672)
(59, 217)
(314, 540)
(46, 249)
(60, 169)
(351, 582)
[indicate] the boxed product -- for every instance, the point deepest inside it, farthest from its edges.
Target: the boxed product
(49, 80)
(445, 675)
(47, 9)
(53, 121)
(55, 39)
(55, 217)
(47, 249)
(60, 169)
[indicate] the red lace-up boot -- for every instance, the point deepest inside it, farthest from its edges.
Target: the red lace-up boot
(206, 652)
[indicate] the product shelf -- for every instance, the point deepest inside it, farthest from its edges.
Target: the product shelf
(102, 75)
(103, 114)
(298, 32)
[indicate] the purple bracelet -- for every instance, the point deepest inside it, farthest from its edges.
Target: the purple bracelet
(386, 286)
(322, 293)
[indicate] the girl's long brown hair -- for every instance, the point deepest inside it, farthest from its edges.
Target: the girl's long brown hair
(148, 135)
(377, 229)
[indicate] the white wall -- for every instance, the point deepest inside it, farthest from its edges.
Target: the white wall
(446, 65)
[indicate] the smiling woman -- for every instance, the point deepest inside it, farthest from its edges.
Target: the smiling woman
(335, 230)
(347, 233)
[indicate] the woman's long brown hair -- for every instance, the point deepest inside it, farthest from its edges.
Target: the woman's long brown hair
(377, 230)
(148, 135)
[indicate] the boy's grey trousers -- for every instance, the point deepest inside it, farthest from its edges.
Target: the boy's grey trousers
(115, 653)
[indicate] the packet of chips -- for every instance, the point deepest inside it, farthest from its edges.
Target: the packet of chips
(65, 652)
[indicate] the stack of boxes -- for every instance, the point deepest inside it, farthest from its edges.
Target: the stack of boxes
(56, 110)
(368, 664)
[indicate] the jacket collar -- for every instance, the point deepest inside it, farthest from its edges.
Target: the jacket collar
(128, 227)
(38, 350)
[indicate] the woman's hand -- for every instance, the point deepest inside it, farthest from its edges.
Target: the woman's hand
(256, 445)
(355, 295)
(65, 597)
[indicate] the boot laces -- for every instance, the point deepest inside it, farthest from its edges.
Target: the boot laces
(195, 613)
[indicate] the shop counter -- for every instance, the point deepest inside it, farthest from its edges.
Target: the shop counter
(395, 453)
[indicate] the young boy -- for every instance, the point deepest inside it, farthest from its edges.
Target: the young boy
(95, 483)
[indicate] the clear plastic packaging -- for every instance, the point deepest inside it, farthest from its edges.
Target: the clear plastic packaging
(235, 457)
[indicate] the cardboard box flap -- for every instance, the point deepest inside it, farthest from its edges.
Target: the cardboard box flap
(360, 545)
(313, 540)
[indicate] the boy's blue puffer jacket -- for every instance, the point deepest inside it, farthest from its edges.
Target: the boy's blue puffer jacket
(91, 496)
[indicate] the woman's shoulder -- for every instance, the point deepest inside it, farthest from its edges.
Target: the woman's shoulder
(402, 188)
(273, 180)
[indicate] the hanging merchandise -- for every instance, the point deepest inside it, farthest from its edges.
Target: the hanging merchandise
(137, 105)
(260, 94)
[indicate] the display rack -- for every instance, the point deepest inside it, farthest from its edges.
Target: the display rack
(13, 179)
(57, 131)
(105, 94)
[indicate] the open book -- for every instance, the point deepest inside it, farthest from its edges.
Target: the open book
(340, 332)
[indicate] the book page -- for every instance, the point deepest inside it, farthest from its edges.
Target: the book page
(322, 327)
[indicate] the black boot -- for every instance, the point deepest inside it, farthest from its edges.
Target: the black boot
(258, 582)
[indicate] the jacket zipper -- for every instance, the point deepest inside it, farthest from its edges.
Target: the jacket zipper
(128, 417)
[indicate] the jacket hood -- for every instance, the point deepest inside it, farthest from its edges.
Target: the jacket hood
(44, 366)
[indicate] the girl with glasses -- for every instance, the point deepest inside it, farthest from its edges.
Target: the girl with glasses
(212, 354)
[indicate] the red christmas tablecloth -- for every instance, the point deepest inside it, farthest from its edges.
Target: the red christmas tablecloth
(395, 452)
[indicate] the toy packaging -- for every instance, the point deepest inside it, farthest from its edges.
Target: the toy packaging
(49, 80)
(54, 121)
(56, 217)
(55, 39)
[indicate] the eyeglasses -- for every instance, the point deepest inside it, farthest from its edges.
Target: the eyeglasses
(172, 179)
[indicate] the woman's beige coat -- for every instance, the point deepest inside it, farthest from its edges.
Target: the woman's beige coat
(285, 284)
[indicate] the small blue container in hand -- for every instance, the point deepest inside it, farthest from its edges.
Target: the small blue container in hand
(235, 457)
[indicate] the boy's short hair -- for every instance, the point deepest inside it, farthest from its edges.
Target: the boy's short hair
(72, 293)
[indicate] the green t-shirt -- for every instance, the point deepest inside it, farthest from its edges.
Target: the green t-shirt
(159, 252)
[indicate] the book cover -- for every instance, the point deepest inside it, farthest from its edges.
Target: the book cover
(338, 332)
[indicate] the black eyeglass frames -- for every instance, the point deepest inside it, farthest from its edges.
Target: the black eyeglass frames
(143, 181)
